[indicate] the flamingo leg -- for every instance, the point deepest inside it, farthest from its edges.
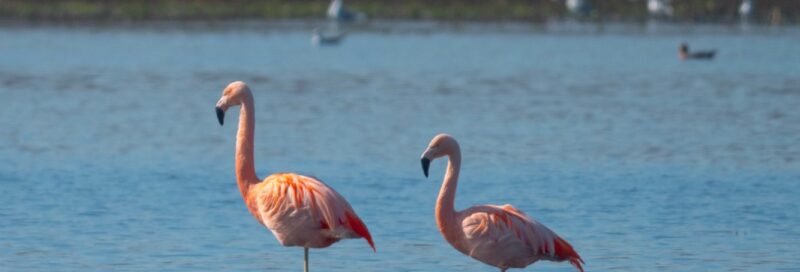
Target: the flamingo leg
(305, 259)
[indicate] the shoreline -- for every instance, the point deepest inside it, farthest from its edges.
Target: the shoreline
(555, 27)
(525, 11)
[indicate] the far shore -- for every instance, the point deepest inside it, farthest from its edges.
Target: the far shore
(399, 26)
(529, 11)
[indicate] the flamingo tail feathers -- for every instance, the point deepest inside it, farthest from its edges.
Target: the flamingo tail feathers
(565, 251)
(361, 229)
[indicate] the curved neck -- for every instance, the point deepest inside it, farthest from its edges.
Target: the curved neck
(245, 166)
(445, 204)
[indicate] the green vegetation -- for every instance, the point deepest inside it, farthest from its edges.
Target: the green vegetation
(785, 11)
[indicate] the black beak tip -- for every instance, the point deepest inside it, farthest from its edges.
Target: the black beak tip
(426, 163)
(220, 115)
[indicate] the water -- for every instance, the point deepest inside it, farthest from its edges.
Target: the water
(111, 157)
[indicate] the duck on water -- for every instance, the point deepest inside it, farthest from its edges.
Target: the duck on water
(685, 54)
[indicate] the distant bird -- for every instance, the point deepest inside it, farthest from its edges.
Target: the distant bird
(299, 210)
(659, 7)
(319, 38)
(500, 236)
(337, 12)
(579, 7)
(685, 54)
(746, 8)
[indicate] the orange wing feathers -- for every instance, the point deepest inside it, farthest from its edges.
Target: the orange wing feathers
(498, 223)
(565, 251)
(359, 227)
(284, 194)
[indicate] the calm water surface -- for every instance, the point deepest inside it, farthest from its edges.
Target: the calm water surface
(111, 157)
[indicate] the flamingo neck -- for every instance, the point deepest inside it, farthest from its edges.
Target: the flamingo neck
(445, 204)
(245, 166)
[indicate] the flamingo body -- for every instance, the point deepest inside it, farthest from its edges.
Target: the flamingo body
(501, 236)
(505, 237)
(303, 211)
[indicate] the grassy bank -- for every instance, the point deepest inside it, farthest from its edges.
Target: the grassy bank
(719, 11)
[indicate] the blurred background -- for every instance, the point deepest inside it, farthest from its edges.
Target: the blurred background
(690, 11)
(587, 115)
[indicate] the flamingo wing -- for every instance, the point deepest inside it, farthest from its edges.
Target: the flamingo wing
(304, 211)
(506, 237)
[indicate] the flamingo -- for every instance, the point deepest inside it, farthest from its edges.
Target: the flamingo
(500, 236)
(299, 210)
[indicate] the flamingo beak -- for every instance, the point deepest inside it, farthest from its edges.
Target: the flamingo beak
(425, 164)
(220, 115)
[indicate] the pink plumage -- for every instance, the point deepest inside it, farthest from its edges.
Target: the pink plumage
(501, 236)
(303, 211)
(299, 210)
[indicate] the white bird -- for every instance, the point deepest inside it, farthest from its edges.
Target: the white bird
(337, 11)
(659, 7)
(577, 6)
(746, 8)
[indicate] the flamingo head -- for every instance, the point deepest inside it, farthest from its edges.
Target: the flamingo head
(441, 145)
(233, 95)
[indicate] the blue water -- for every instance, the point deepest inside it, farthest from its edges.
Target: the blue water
(111, 157)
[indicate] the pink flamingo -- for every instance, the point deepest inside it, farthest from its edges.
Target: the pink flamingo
(500, 236)
(299, 210)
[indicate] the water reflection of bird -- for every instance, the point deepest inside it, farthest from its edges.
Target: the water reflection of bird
(299, 210)
(501, 236)
(320, 38)
(337, 11)
(685, 54)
